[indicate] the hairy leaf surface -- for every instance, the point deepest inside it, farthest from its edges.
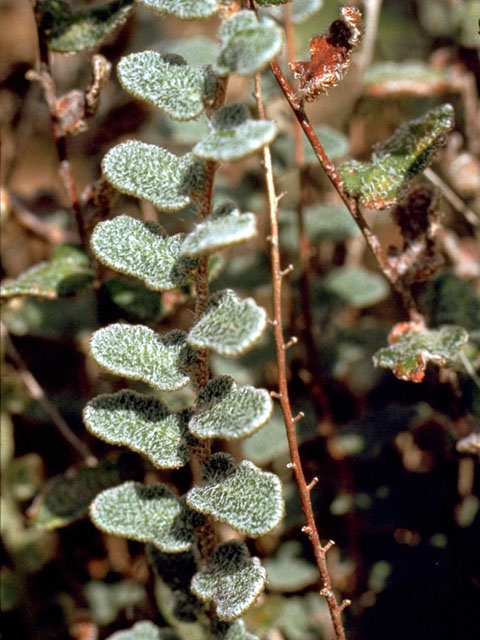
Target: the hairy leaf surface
(167, 82)
(246, 45)
(224, 227)
(226, 411)
(234, 135)
(146, 513)
(142, 423)
(137, 352)
(232, 580)
(65, 274)
(230, 631)
(154, 174)
(144, 630)
(229, 326)
(71, 31)
(397, 161)
(66, 498)
(184, 9)
(409, 354)
(247, 499)
(144, 250)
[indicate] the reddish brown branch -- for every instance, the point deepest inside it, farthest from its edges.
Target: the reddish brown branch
(305, 253)
(68, 114)
(206, 534)
(310, 528)
(350, 201)
(44, 77)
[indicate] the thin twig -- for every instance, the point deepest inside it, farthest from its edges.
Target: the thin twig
(45, 77)
(305, 252)
(290, 47)
(350, 201)
(450, 195)
(37, 393)
(283, 396)
(372, 10)
(38, 226)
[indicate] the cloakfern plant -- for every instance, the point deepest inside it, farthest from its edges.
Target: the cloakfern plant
(224, 581)
(209, 581)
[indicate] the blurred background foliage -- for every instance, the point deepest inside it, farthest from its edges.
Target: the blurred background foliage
(397, 490)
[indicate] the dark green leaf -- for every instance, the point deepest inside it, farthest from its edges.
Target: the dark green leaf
(268, 443)
(302, 10)
(132, 300)
(65, 274)
(288, 571)
(12, 590)
(322, 222)
(176, 570)
(356, 286)
(397, 161)
(197, 50)
(270, 3)
(447, 299)
(334, 142)
(107, 600)
(402, 76)
(66, 498)
(230, 631)
(409, 355)
(70, 31)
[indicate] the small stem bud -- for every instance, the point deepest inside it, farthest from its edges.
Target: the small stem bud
(346, 603)
(298, 417)
(293, 340)
(286, 271)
